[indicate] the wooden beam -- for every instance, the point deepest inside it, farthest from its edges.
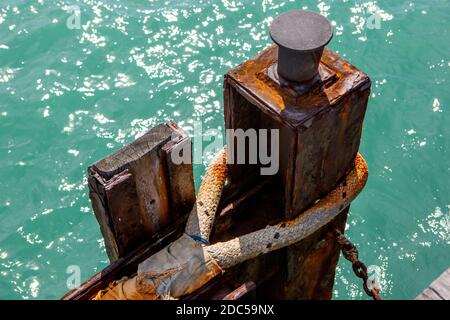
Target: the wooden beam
(138, 189)
(240, 291)
(127, 266)
(320, 131)
(439, 289)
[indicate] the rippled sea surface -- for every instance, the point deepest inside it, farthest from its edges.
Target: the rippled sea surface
(71, 96)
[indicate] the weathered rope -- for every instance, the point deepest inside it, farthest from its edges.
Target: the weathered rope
(237, 250)
(201, 218)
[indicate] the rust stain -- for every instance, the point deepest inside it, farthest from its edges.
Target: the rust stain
(344, 193)
(315, 262)
(251, 76)
(212, 271)
(343, 120)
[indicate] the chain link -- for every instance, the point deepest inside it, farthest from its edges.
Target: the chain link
(350, 252)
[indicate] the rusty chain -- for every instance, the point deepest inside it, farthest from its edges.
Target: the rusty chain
(350, 252)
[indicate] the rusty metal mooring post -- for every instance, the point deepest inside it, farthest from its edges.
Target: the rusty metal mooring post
(318, 101)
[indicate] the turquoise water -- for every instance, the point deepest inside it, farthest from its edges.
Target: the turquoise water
(71, 96)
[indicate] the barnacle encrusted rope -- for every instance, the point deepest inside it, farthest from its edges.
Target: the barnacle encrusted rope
(201, 218)
(248, 246)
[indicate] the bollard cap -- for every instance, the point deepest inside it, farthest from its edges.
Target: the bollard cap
(301, 36)
(301, 30)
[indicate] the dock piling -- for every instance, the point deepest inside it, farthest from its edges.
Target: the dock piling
(138, 190)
